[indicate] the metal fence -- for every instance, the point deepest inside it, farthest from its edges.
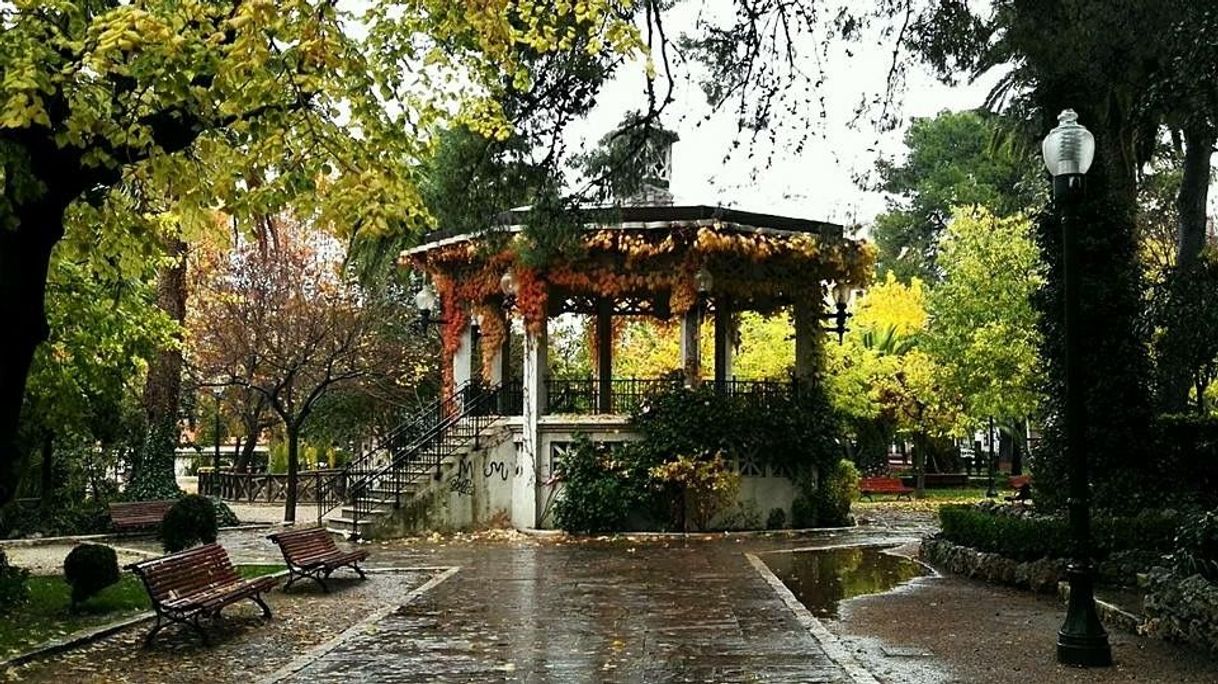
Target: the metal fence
(266, 487)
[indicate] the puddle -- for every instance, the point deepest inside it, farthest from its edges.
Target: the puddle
(820, 579)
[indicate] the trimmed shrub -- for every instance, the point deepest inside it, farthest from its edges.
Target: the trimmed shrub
(224, 515)
(1027, 538)
(602, 487)
(89, 568)
(191, 521)
(776, 520)
(837, 489)
(803, 511)
(13, 587)
(701, 488)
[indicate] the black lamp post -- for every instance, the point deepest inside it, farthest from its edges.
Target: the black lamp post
(991, 492)
(1068, 150)
(218, 392)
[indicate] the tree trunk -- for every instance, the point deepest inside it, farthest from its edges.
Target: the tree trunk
(1194, 189)
(919, 464)
(289, 505)
(25, 257)
(1173, 380)
(1017, 455)
(152, 476)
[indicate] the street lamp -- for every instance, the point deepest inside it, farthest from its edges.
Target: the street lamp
(1068, 150)
(841, 299)
(425, 302)
(217, 391)
(510, 288)
(991, 492)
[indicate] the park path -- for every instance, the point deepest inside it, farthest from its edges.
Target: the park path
(555, 610)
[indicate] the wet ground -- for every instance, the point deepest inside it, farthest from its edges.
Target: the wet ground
(638, 609)
(821, 579)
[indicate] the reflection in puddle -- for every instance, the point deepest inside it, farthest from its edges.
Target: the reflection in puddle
(820, 579)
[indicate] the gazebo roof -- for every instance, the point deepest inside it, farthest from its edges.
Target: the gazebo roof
(649, 218)
(657, 260)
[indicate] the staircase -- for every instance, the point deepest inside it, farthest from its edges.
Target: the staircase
(407, 460)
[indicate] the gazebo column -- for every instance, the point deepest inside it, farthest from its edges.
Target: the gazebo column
(463, 361)
(526, 486)
(808, 335)
(691, 358)
(500, 364)
(724, 332)
(604, 355)
(499, 367)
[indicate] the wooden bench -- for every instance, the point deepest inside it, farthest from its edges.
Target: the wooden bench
(1022, 484)
(131, 516)
(311, 552)
(869, 486)
(197, 583)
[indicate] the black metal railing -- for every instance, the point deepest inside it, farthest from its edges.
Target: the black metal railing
(410, 453)
(582, 396)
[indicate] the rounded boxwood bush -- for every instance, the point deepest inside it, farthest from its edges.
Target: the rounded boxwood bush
(191, 521)
(89, 568)
(13, 587)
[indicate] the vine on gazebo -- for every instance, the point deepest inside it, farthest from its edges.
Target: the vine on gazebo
(761, 270)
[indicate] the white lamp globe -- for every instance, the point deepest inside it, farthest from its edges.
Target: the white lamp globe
(1069, 148)
(425, 300)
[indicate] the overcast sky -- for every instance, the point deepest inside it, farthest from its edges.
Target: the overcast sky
(818, 183)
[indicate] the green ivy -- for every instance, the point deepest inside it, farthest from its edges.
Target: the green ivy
(602, 487)
(796, 430)
(152, 475)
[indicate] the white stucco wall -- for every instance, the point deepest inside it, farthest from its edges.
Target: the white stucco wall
(483, 488)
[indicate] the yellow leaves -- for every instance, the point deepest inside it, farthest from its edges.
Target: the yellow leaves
(893, 304)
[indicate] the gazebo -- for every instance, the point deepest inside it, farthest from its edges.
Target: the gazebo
(655, 260)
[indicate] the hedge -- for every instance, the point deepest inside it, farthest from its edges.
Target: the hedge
(1028, 538)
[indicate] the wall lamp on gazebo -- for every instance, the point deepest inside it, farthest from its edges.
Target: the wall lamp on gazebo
(425, 301)
(510, 288)
(841, 299)
(704, 282)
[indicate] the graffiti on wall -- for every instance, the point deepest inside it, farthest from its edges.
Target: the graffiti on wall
(463, 481)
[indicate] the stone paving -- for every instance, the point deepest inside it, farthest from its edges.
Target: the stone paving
(542, 609)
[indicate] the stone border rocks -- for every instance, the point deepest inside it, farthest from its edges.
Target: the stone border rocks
(1181, 608)
(1039, 576)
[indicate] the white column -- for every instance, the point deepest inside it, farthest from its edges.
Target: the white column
(526, 486)
(463, 361)
(691, 358)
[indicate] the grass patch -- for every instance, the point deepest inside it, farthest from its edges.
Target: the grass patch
(931, 501)
(45, 615)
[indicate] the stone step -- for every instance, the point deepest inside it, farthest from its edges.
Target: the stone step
(348, 526)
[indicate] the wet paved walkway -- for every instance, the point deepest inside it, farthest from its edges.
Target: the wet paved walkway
(560, 610)
(567, 613)
(613, 611)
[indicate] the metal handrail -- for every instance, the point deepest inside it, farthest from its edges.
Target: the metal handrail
(412, 451)
(334, 493)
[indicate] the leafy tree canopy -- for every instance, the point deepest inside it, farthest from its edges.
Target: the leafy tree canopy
(984, 328)
(955, 159)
